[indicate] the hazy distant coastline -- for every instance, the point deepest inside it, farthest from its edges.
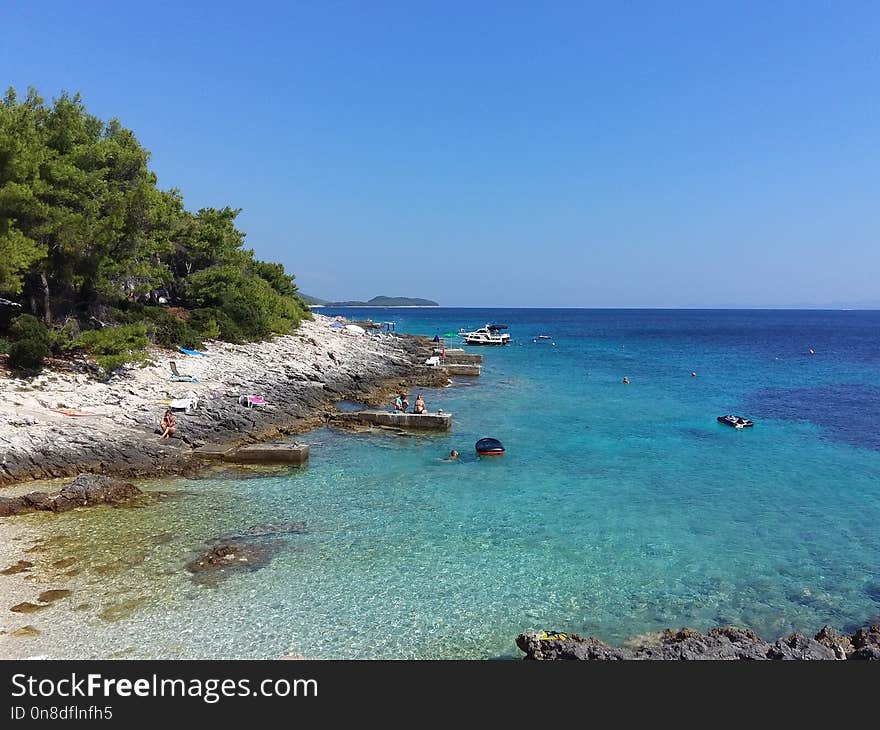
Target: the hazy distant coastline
(380, 301)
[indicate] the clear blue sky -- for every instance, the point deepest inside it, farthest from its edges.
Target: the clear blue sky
(503, 153)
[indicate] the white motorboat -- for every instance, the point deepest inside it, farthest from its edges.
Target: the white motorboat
(489, 335)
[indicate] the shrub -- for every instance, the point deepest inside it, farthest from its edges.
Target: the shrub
(204, 321)
(31, 343)
(64, 338)
(28, 353)
(247, 307)
(169, 331)
(115, 346)
(28, 327)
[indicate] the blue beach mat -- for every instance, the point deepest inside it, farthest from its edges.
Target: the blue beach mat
(192, 352)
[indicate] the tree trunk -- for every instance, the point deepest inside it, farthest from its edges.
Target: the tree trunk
(47, 302)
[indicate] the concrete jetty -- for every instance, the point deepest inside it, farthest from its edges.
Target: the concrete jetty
(470, 370)
(256, 454)
(396, 419)
(460, 357)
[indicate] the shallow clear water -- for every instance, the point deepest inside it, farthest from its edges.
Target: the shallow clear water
(618, 509)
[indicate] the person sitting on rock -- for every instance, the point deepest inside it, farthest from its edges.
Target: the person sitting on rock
(419, 406)
(167, 425)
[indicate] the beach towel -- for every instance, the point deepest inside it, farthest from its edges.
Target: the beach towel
(249, 401)
(433, 361)
(192, 352)
(184, 404)
(75, 412)
(177, 377)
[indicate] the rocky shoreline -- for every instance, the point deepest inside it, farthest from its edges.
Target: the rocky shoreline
(300, 377)
(722, 643)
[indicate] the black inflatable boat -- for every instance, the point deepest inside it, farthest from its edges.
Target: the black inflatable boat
(489, 447)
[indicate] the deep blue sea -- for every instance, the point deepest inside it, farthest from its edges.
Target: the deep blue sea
(617, 510)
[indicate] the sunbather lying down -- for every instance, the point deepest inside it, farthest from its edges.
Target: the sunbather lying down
(249, 401)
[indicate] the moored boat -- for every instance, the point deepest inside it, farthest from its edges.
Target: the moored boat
(735, 421)
(488, 335)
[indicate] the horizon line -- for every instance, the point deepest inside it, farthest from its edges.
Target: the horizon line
(779, 307)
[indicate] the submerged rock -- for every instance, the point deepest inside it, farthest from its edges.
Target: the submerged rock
(27, 607)
(123, 609)
(722, 643)
(25, 632)
(84, 491)
(22, 566)
(54, 594)
(223, 559)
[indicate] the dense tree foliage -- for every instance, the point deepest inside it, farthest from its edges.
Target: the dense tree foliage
(86, 234)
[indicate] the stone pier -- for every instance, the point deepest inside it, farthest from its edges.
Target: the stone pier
(469, 370)
(256, 454)
(396, 419)
(460, 357)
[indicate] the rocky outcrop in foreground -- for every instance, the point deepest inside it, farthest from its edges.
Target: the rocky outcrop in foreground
(84, 491)
(724, 643)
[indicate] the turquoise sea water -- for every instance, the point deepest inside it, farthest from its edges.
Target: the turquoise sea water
(617, 510)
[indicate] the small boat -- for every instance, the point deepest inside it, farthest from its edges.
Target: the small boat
(489, 447)
(488, 335)
(544, 337)
(735, 421)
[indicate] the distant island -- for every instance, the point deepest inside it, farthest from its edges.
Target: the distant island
(380, 301)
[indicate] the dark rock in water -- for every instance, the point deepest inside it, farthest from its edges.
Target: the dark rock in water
(14, 506)
(669, 636)
(549, 645)
(55, 594)
(838, 643)
(867, 637)
(799, 647)
(22, 566)
(735, 634)
(84, 491)
(27, 607)
(727, 642)
(867, 653)
(724, 643)
(123, 609)
(25, 632)
(96, 489)
(248, 550)
(223, 559)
